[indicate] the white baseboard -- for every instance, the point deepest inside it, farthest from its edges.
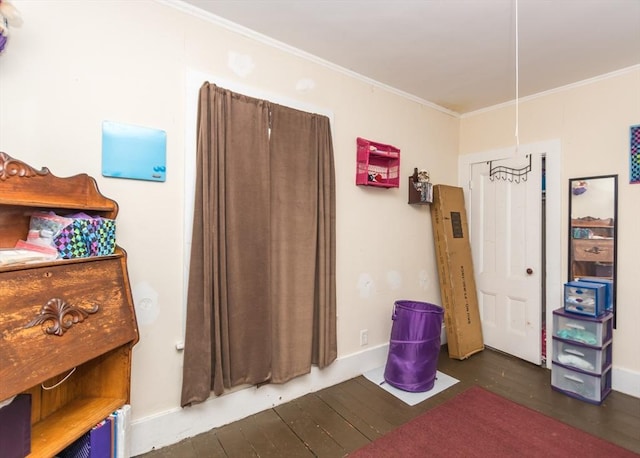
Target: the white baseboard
(625, 381)
(172, 426)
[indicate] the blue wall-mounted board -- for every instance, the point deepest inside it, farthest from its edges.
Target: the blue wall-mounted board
(134, 152)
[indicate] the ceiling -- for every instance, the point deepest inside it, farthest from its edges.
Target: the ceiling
(458, 54)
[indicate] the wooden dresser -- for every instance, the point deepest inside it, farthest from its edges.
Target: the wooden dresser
(592, 253)
(72, 316)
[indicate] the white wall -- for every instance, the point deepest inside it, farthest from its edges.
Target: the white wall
(592, 121)
(74, 64)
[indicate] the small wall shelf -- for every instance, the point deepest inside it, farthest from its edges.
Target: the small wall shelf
(420, 192)
(377, 164)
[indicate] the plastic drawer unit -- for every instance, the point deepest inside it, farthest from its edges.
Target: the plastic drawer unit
(608, 283)
(582, 358)
(595, 360)
(581, 385)
(583, 329)
(585, 298)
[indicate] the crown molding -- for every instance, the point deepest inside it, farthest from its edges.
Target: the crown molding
(248, 33)
(564, 88)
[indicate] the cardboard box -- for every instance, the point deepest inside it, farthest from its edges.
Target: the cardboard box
(455, 269)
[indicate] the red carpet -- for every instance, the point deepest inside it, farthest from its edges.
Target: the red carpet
(478, 423)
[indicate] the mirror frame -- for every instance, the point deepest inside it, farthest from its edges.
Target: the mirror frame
(615, 233)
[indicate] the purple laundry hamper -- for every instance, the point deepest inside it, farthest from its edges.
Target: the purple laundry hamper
(414, 347)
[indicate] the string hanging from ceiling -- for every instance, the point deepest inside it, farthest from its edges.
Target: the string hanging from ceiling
(508, 173)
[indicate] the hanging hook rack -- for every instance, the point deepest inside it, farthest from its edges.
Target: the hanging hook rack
(510, 174)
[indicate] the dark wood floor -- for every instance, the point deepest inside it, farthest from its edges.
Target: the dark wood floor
(338, 420)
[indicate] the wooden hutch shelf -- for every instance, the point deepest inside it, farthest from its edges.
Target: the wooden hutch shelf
(80, 375)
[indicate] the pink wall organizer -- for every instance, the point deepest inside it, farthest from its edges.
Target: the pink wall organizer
(377, 164)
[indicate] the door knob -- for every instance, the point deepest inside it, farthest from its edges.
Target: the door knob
(529, 271)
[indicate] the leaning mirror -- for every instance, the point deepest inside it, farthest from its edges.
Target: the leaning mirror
(593, 217)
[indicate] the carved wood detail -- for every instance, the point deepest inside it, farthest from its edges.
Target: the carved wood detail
(10, 167)
(60, 315)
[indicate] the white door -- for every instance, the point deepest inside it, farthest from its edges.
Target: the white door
(506, 227)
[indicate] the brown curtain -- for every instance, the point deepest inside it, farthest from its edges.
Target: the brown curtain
(261, 297)
(302, 243)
